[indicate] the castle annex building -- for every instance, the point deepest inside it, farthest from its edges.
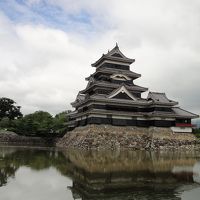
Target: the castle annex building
(111, 97)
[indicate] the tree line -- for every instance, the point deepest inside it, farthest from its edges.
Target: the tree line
(39, 123)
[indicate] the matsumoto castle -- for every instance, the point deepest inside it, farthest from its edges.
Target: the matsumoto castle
(111, 97)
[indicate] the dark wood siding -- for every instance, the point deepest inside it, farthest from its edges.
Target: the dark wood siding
(126, 122)
(129, 109)
(183, 121)
(115, 66)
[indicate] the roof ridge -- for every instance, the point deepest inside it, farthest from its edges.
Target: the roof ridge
(157, 92)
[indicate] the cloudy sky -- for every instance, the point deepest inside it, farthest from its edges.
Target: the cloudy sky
(47, 47)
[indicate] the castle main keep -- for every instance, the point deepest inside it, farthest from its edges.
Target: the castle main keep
(111, 97)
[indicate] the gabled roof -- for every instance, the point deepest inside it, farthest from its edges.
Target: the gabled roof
(160, 98)
(115, 52)
(121, 89)
(115, 55)
(184, 113)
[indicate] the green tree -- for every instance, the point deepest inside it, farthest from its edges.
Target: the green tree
(60, 123)
(38, 123)
(9, 109)
(197, 132)
(4, 123)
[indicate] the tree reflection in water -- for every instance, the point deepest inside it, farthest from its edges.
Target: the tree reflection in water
(110, 174)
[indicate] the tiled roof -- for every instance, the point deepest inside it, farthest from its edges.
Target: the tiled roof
(115, 71)
(180, 112)
(114, 54)
(114, 85)
(159, 98)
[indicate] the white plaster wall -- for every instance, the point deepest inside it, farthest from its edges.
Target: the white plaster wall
(182, 129)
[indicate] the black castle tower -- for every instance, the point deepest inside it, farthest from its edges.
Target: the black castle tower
(111, 97)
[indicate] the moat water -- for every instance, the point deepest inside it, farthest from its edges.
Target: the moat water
(49, 174)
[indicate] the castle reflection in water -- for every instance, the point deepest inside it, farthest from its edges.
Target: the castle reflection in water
(110, 175)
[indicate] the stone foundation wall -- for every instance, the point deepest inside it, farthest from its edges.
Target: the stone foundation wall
(10, 138)
(116, 137)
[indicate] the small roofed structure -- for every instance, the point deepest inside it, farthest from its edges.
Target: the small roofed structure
(161, 98)
(114, 55)
(111, 97)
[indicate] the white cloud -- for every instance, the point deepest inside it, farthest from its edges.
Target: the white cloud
(27, 184)
(40, 67)
(44, 68)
